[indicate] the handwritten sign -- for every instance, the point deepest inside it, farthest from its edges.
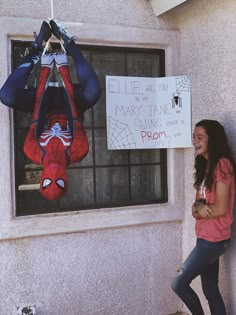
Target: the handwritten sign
(148, 113)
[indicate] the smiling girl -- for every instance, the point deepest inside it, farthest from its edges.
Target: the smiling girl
(213, 210)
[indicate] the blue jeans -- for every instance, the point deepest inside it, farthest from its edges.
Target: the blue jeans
(203, 261)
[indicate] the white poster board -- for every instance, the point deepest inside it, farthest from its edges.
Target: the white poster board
(145, 113)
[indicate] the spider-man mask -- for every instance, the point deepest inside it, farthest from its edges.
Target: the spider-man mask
(53, 182)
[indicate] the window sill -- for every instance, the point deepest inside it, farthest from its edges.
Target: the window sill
(82, 221)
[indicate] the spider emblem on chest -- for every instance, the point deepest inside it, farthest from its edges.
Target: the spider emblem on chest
(56, 131)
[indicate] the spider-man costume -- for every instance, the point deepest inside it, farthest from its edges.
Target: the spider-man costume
(56, 137)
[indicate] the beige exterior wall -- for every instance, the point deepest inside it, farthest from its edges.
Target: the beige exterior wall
(208, 54)
(117, 261)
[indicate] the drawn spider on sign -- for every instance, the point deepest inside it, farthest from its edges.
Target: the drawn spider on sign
(176, 100)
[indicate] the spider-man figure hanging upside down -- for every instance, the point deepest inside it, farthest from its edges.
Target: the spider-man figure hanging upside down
(56, 137)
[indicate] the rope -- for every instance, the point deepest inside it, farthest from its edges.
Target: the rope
(52, 10)
(48, 42)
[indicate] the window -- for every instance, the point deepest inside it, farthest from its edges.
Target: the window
(104, 179)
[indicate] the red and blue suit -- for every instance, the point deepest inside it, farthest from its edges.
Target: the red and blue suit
(56, 136)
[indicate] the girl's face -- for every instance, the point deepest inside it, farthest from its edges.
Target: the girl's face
(200, 142)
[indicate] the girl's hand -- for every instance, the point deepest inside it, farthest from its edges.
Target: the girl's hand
(205, 211)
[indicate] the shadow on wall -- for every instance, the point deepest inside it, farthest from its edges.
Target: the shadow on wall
(229, 273)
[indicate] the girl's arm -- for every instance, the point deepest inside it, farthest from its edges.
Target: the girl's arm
(220, 207)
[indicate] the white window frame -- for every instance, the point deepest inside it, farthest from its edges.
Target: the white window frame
(81, 221)
(161, 6)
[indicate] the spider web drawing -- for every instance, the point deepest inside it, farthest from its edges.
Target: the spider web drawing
(183, 83)
(119, 135)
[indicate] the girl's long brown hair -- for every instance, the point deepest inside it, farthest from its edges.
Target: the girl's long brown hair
(218, 148)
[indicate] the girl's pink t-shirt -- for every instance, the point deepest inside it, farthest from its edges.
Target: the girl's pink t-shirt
(217, 229)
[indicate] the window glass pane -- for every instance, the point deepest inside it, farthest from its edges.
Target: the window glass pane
(87, 118)
(31, 202)
(140, 65)
(108, 63)
(80, 189)
(22, 119)
(145, 156)
(146, 183)
(21, 159)
(100, 111)
(107, 157)
(112, 185)
(88, 160)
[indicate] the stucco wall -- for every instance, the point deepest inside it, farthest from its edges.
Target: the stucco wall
(208, 49)
(131, 13)
(117, 261)
(122, 271)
